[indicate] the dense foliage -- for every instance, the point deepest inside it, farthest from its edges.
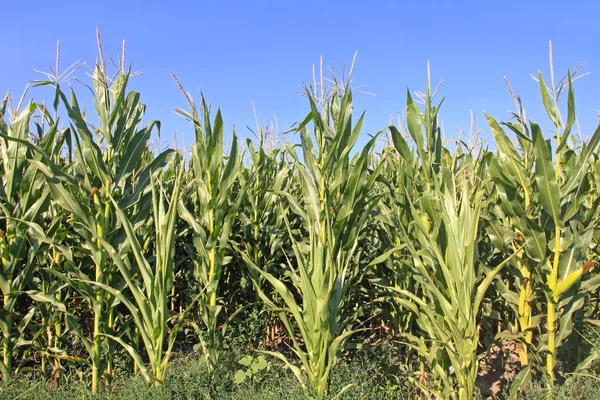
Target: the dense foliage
(116, 258)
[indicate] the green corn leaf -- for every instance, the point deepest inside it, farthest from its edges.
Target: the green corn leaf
(400, 144)
(582, 163)
(545, 177)
(570, 115)
(547, 101)
(519, 382)
(414, 124)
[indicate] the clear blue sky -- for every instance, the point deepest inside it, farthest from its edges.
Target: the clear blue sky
(260, 51)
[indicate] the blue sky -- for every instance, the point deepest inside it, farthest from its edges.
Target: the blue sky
(262, 52)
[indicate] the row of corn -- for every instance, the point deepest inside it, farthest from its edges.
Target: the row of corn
(111, 248)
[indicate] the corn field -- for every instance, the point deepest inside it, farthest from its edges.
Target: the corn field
(117, 256)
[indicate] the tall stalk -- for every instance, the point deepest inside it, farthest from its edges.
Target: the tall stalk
(85, 189)
(214, 201)
(24, 200)
(445, 260)
(333, 207)
(150, 287)
(556, 231)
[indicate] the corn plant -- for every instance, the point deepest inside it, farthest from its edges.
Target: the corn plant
(445, 261)
(512, 224)
(334, 205)
(49, 293)
(262, 227)
(17, 201)
(399, 178)
(213, 211)
(408, 176)
(562, 190)
(434, 269)
(549, 214)
(150, 287)
(261, 231)
(84, 191)
(24, 200)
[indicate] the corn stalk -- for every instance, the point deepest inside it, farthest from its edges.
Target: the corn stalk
(333, 208)
(24, 199)
(214, 210)
(84, 191)
(150, 287)
(543, 193)
(445, 261)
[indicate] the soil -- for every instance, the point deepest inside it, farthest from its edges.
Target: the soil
(498, 369)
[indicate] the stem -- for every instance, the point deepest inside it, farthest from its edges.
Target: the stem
(136, 343)
(551, 341)
(212, 302)
(421, 371)
(173, 295)
(57, 333)
(96, 355)
(109, 362)
(45, 325)
(552, 302)
(6, 345)
(211, 273)
(49, 338)
(57, 327)
(525, 313)
(99, 299)
(323, 205)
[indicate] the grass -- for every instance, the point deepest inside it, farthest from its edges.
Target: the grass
(574, 388)
(372, 372)
(188, 378)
